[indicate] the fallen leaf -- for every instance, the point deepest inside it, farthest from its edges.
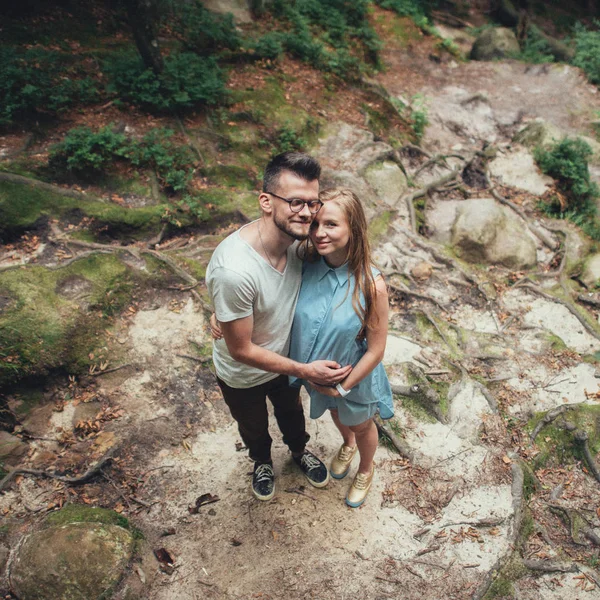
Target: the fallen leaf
(506, 460)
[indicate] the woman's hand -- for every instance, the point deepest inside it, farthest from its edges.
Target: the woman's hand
(215, 330)
(326, 391)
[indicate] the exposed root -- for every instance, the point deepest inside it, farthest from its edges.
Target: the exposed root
(436, 158)
(579, 527)
(48, 187)
(548, 418)
(62, 478)
(422, 393)
(549, 567)
(587, 300)
(582, 437)
(402, 448)
(403, 289)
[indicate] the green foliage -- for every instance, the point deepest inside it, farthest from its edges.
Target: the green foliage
(289, 140)
(416, 9)
(86, 152)
(567, 162)
(419, 117)
(187, 81)
(269, 46)
(34, 81)
(204, 31)
(536, 49)
(587, 51)
(172, 162)
(331, 35)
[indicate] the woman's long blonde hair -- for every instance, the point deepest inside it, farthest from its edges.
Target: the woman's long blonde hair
(358, 255)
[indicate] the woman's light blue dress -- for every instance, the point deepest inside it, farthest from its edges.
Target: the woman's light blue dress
(326, 328)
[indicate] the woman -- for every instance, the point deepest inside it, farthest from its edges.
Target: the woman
(342, 315)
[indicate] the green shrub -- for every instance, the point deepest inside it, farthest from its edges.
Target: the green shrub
(288, 140)
(204, 31)
(35, 80)
(86, 152)
(187, 80)
(587, 51)
(535, 49)
(419, 117)
(269, 46)
(567, 162)
(171, 162)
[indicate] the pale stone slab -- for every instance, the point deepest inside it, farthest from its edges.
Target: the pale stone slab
(518, 170)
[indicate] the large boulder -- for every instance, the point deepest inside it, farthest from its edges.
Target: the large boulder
(517, 169)
(388, 181)
(486, 232)
(591, 272)
(493, 43)
(539, 133)
(12, 449)
(72, 561)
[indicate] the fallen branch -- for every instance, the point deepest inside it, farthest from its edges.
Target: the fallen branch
(402, 448)
(550, 567)
(62, 478)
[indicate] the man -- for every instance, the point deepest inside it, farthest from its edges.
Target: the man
(253, 279)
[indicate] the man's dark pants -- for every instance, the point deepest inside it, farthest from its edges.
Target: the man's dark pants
(248, 407)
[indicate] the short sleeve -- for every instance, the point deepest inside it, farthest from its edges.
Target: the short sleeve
(232, 294)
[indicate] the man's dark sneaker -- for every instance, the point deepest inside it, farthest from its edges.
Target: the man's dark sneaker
(316, 472)
(263, 481)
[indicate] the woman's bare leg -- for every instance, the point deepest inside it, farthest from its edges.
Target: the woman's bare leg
(366, 440)
(347, 433)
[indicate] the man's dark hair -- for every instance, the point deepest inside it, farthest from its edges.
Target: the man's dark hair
(304, 166)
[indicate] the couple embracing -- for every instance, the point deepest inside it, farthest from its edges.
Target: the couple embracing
(298, 302)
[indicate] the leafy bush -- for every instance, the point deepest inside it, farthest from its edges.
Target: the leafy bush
(536, 49)
(567, 162)
(419, 117)
(187, 80)
(587, 51)
(35, 80)
(87, 152)
(288, 139)
(269, 46)
(204, 31)
(172, 162)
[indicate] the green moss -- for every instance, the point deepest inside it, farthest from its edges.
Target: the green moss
(416, 409)
(230, 176)
(556, 343)
(556, 444)
(378, 226)
(45, 327)
(79, 513)
(23, 207)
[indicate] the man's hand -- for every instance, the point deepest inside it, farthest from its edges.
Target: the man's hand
(215, 330)
(326, 372)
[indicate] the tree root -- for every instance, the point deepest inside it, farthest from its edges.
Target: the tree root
(412, 196)
(422, 393)
(436, 158)
(402, 448)
(91, 472)
(548, 418)
(577, 523)
(513, 536)
(48, 187)
(549, 567)
(582, 437)
(568, 305)
(403, 289)
(586, 300)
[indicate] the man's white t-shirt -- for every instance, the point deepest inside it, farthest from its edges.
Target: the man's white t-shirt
(242, 283)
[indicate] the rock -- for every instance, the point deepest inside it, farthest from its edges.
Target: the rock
(85, 411)
(398, 350)
(12, 449)
(346, 179)
(422, 271)
(238, 8)
(75, 561)
(388, 181)
(345, 147)
(591, 272)
(440, 218)
(539, 133)
(466, 409)
(497, 42)
(518, 170)
(485, 232)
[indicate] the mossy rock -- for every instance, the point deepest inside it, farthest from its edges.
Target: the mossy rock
(43, 328)
(80, 513)
(495, 43)
(74, 561)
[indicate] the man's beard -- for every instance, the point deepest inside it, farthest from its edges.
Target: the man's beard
(284, 225)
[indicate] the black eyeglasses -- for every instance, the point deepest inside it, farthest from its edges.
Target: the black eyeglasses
(297, 205)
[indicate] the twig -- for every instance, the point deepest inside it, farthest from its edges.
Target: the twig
(64, 479)
(112, 370)
(200, 359)
(411, 570)
(428, 549)
(300, 492)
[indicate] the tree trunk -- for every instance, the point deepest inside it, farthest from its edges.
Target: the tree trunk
(142, 16)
